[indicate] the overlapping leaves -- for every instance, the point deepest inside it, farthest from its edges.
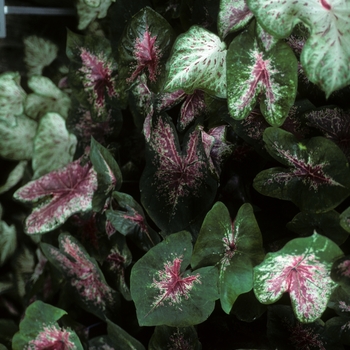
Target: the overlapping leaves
(325, 56)
(236, 247)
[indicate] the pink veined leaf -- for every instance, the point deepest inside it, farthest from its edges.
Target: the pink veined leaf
(191, 108)
(303, 337)
(147, 55)
(177, 341)
(60, 194)
(178, 175)
(85, 277)
(170, 99)
(52, 338)
(303, 273)
(171, 285)
(98, 81)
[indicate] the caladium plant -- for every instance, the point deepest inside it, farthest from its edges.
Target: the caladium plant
(175, 175)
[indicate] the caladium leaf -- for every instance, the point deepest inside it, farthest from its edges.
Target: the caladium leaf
(165, 293)
(144, 48)
(38, 53)
(88, 13)
(92, 74)
(175, 338)
(58, 195)
(176, 185)
(130, 220)
(14, 177)
(17, 141)
(236, 247)
(39, 330)
(326, 224)
(54, 147)
(198, 61)
(334, 123)
(47, 97)
(233, 16)
(83, 273)
(317, 178)
(301, 268)
(254, 73)
(12, 96)
(341, 272)
(109, 176)
(328, 22)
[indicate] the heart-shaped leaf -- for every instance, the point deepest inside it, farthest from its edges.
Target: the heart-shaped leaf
(198, 61)
(252, 71)
(58, 195)
(39, 330)
(176, 185)
(165, 293)
(326, 54)
(235, 246)
(54, 147)
(301, 268)
(83, 273)
(317, 178)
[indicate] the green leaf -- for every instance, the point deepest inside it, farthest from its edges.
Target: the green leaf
(54, 147)
(130, 221)
(326, 54)
(144, 48)
(17, 141)
(317, 178)
(8, 239)
(40, 320)
(122, 339)
(301, 268)
(14, 177)
(47, 97)
(165, 293)
(235, 246)
(198, 61)
(326, 224)
(345, 219)
(176, 338)
(109, 176)
(252, 72)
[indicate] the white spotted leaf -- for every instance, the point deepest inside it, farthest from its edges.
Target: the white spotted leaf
(197, 61)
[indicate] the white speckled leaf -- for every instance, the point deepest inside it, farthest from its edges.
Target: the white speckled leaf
(14, 177)
(301, 268)
(198, 61)
(326, 54)
(54, 147)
